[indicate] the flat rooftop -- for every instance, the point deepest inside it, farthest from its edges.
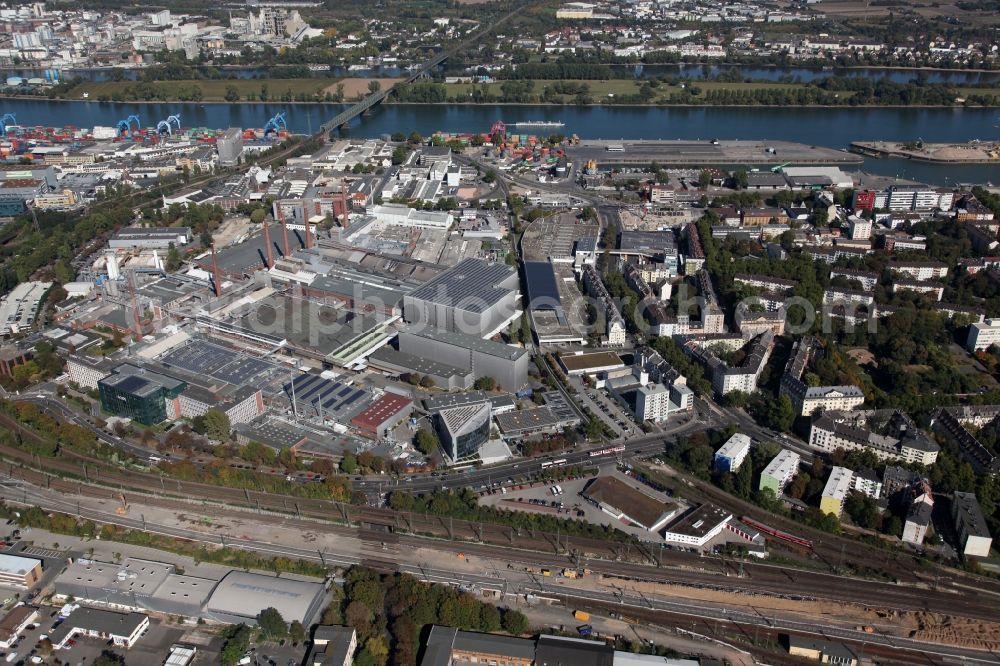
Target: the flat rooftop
(630, 501)
(590, 361)
(474, 284)
(699, 522)
(693, 153)
(488, 347)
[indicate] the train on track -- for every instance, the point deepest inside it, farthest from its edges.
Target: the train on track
(611, 450)
(776, 534)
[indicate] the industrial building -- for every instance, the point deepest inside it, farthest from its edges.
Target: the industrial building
(447, 377)
(19, 307)
(535, 421)
(623, 502)
(464, 430)
(484, 358)
(241, 595)
(731, 455)
(150, 238)
(779, 472)
(474, 297)
(122, 629)
(19, 571)
(135, 584)
(973, 533)
(589, 363)
(835, 491)
(699, 526)
(382, 415)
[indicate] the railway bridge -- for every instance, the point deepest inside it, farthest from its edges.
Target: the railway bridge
(378, 97)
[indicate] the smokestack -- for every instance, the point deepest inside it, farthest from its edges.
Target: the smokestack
(343, 201)
(216, 273)
(267, 244)
(136, 321)
(288, 246)
(309, 241)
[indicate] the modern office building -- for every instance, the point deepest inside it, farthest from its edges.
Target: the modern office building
(835, 491)
(485, 358)
(141, 395)
(474, 297)
(463, 430)
(973, 533)
(731, 455)
(779, 472)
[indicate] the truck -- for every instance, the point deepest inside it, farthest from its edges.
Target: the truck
(569, 573)
(546, 572)
(581, 616)
(585, 630)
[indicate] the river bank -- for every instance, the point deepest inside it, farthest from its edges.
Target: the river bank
(830, 127)
(938, 153)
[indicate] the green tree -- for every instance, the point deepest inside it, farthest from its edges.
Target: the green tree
(426, 441)
(349, 463)
(258, 215)
(485, 384)
(296, 631)
(374, 87)
(232, 94)
(216, 424)
(514, 622)
(594, 428)
(108, 658)
(704, 178)
(174, 259)
(271, 623)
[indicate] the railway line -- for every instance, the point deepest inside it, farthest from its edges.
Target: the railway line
(530, 547)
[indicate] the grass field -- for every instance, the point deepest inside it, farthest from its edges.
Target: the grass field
(211, 90)
(601, 89)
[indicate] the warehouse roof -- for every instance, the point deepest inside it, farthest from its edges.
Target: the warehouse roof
(635, 504)
(380, 411)
(592, 361)
(559, 651)
(543, 292)
(473, 284)
(245, 594)
(471, 342)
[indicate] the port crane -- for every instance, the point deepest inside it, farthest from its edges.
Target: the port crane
(165, 126)
(276, 123)
(125, 126)
(8, 119)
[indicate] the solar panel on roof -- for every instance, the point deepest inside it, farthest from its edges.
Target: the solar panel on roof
(543, 292)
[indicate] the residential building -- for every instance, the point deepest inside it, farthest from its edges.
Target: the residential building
(731, 455)
(866, 482)
(835, 491)
(918, 519)
(895, 435)
(973, 533)
(983, 335)
(780, 472)
(332, 645)
(920, 270)
(810, 399)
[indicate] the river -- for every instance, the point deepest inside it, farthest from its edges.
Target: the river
(832, 127)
